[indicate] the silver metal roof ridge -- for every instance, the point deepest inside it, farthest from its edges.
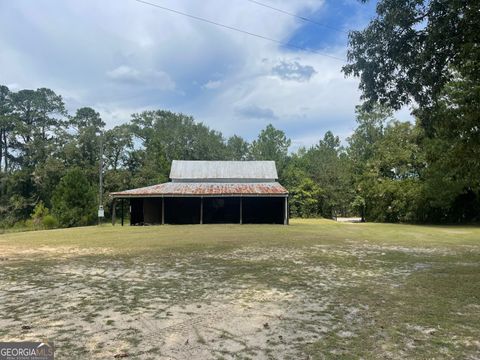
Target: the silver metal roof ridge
(223, 171)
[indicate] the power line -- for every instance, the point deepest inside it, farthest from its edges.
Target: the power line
(240, 30)
(303, 18)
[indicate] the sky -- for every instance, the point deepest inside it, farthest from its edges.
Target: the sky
(122, 57)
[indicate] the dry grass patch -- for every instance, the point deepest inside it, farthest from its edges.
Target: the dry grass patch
(315, 289)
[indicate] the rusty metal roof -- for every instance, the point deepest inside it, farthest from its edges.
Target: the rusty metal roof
(205, 189)
(223, 171)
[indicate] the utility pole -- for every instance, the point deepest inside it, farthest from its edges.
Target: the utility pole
(101, 212)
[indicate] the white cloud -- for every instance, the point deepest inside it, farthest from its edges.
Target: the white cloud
(126, 57)
(157, 79)
(123, 72)
(325, 102)
(212, 84)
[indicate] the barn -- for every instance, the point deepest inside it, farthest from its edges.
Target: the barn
(210, 192)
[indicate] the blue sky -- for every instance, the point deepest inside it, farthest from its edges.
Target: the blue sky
(121, 57)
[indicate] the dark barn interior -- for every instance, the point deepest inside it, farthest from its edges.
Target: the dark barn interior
(182, 210)
(145, 211)
(152, 211)
(214, 210)
(136, 211)
(263, 210)
(221, 210)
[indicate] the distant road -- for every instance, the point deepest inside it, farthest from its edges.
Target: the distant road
(349, 219)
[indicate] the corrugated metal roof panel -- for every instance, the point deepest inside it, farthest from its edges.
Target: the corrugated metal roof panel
(218, 170)
(205, 189)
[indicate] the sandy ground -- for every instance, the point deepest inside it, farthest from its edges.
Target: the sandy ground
(250, 302)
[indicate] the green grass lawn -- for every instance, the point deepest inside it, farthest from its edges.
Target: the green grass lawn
(316, 289)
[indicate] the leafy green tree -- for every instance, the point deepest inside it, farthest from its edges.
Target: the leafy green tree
(89, 127)
(118, 151)
(14, 209)
(6, 127)
(306, 199)
(118, 144)
(74, 200)
(237, 148)
(37, 114)
(411, 49)
(167, 136)
(177, 136)
(362, 147)
(19, 196)
(453, 153)
(426, 53)
(293, 175)
(33, 118)
(388, 161)
(399, 153)
(327, 165)
(46, 178)
(362, 143)
(358, 205)
(271, 144)
(394, 201)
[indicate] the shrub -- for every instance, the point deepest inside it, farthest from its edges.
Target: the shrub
(19, 225)
(73, 200)
(50, 222)
(306, 199)
(29, 224)
(39, 214)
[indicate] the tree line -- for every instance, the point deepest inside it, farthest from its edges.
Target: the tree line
(426, 55)
(50, 164)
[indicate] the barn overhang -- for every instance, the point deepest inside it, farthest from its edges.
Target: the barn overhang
(205, 203)
(204, 189)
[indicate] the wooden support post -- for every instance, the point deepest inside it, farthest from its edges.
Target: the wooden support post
(285, 218)
(121, 204)
(241, 211)
(114, 203)
(163, 210)
(201, 210)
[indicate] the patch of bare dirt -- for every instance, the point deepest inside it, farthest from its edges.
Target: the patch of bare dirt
(188, 306)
